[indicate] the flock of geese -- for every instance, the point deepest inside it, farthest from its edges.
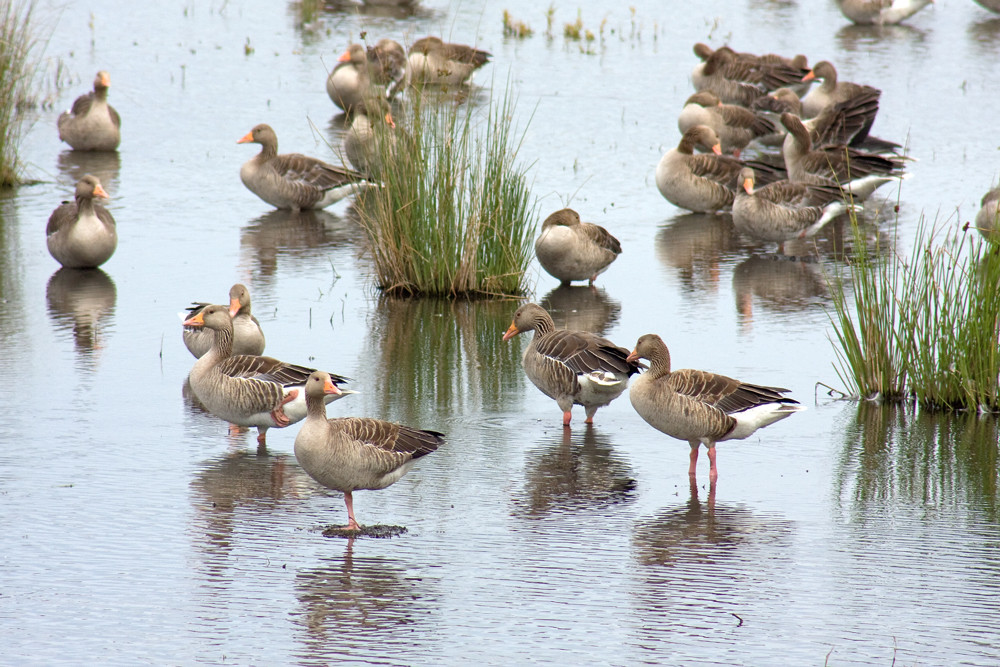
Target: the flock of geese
(829, 163)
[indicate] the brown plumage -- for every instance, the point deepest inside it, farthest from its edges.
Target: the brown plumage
(988, 217)
(572, 250)
(351, 81)
(353, 453)
(572, 367)
(736, 126)
(783, 210)
(434, 61)
(248, 337)
(92, 124)
(839, 163)
(388, 66)
(832, 92)
(701, 407)
(82, 234)
(294, 181)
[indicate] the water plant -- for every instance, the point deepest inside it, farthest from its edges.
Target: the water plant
(17, 74)
(453, 214)
(515, 28)
(923, 330)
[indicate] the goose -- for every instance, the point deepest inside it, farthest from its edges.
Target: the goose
(701, 407)
(82, 234)
(350, 81)
(799, 61)
(248, 337)
(736, 126)
(572, 250)
(572, 367)
(783, 210)
(92, 124)
(354, 453)
(880, 12)
(831, 92)
(361, 141)
(389, 66)
(701, 183)
(434, 61)
(248, 390)
(294, 181)
(988, 216)
(858, 173)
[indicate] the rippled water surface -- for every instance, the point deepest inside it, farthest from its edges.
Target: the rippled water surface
(137, 528)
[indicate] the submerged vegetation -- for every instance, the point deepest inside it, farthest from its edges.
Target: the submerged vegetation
(453, 215)
(17, 74)
(923, 330)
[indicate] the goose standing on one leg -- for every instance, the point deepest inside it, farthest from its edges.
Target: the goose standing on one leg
(700, 407)
(353, 453)
(572, 367)
(572, 250)
(248, 390)
(82, 234)
(248, 337)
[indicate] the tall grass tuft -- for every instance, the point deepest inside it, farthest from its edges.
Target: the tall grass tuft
(923, 330)
(17, 75)
(453, 215)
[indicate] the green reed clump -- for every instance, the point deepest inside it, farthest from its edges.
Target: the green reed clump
(925, 329)
(452, 215)
(17, 74)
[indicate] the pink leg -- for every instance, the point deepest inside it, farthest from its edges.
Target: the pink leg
(278, 415)
(713, 474)
(262, 436)
(351, 523)
(566, 417)
(693, 468)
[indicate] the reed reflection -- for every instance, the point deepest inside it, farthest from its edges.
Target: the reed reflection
(434, 354)
(82, 301)
(361, 608)
(582, 308)
(563, 476)
(105, 165)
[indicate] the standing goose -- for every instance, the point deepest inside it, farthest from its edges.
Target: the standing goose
(434, 61)
(248, 390)
(361, 141)
(294, 181)
(572, 367)
(988, 217)
(736, 126)
(783, 210)
(248, 337)
(389, 66)
(92, 124)
(832, 92)
(350, 81)
(880, 12)
(701, 407)
(82, 234)
(572, 250)
(353, 453)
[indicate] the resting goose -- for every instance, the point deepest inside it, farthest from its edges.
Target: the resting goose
(988, 217)
(350, 81)
(736, 126)
(360, 144)
(434, 61)
(783, 210)
(248, 337)
(858, 173)
(701, 407)
(572, 367)
(353, 453)
(572, 250)
(294, 181)
(388, 66)
(831, 92)
(248, 390)
(82, 234)
(880, 12)
(92, 124)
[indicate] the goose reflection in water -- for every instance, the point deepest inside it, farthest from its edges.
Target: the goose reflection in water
(82, 301)
(582, 308)
(779, 284)
(695, 245)
(105, 165)
(565, 477)
(361, 607)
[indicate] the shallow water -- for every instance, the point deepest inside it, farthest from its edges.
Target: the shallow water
(138, 528)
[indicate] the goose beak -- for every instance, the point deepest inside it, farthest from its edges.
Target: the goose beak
(106, 80)
(246, 138)
(234, 307)
(196, 320)
(344, 57)
(717, 149)
(331, 388)
(511, 332)
(99, 192)
(389, 120)
(810, 76)
(632, 357)
(748, 186)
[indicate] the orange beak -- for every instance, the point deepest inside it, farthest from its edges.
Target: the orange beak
(717, 149)
(633, 357)
(511, 332)
(246, 138)
(810, 76)
(106, 80)
(234, 307)
(748, 186)
(99, 192)
(389, 120)
(344, 57)
(196, 320)
(331, 388)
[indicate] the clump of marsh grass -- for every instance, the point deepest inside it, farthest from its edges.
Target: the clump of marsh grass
(17, 74)
(926, 329)
(452, 215)
(515, 28)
